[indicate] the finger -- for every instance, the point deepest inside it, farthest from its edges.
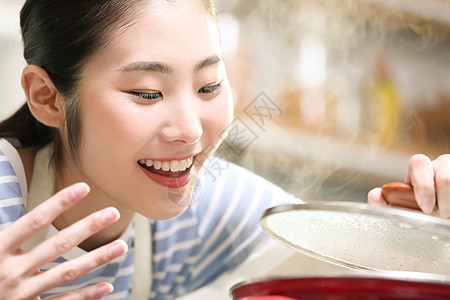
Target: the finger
(41, 216)
(375, 197)
(68, 238)
(90, 292)
(72, 270)
(421, 177)
(442, 180)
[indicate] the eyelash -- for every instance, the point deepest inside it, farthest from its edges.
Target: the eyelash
(154, 96)
(147, 96)
(210, 88)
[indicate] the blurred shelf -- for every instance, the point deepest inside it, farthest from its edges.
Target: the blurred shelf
(421, 18)
(436, 10)
(340, 154)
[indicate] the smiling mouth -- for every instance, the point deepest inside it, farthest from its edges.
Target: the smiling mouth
(167, 168)
(172, 174)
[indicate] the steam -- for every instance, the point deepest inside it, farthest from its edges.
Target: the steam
(275, 31)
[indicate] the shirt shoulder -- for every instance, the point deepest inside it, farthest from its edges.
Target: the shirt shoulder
(236, 191)
(218, 231)
(11, 190)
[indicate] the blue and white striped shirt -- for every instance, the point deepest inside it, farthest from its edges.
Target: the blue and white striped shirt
(218, 231)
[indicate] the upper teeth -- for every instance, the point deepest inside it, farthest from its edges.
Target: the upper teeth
(173, 166)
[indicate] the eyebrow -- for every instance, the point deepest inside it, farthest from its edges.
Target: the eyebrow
(211, 60)
(165, 69)
(147, 66)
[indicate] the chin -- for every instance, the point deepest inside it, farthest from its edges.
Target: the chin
(174, 202)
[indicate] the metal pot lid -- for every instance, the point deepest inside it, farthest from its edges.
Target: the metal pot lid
(363, 237)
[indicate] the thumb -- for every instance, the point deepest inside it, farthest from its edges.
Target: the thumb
(374, 197)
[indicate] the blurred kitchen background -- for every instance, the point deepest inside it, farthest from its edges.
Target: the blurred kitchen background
(332, 96)
(351, 89)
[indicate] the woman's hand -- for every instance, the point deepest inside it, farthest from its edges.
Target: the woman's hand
(431, 183)
(20, 277)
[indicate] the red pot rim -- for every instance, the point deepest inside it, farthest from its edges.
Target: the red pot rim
(343, 287)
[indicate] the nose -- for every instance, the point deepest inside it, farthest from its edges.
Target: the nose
(183, 123)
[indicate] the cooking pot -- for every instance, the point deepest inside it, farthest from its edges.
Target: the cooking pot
(381, 287)
(398, 253)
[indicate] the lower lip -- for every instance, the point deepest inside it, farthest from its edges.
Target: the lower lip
(169, 182)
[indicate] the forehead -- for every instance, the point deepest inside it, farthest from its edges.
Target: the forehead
(164, 31)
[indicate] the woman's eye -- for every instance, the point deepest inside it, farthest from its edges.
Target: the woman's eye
(210, 88)
(148, 96)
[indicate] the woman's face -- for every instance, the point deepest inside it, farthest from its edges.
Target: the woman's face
(153, 102)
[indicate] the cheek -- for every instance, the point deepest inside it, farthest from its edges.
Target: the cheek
(229, 107)
(113, 120)
(227, 117)
(222, 115)
(109, 132)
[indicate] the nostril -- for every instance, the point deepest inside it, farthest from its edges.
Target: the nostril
(188, 132)
(183, 123)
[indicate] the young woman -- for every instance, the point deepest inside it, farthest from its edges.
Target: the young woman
(126, 101)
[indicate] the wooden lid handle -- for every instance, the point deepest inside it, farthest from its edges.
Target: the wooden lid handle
(399, 194)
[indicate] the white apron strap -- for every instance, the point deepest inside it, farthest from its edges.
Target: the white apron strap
(42, 187)
(142, 280)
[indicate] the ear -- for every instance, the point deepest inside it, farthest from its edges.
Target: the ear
(44, 101)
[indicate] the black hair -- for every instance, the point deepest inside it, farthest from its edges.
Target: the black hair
(60, 36)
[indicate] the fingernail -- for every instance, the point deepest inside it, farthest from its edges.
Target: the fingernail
(427, 206)
(118, 248)
(80, 191)
(445, 214)
(110, 215)
(105, 289)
